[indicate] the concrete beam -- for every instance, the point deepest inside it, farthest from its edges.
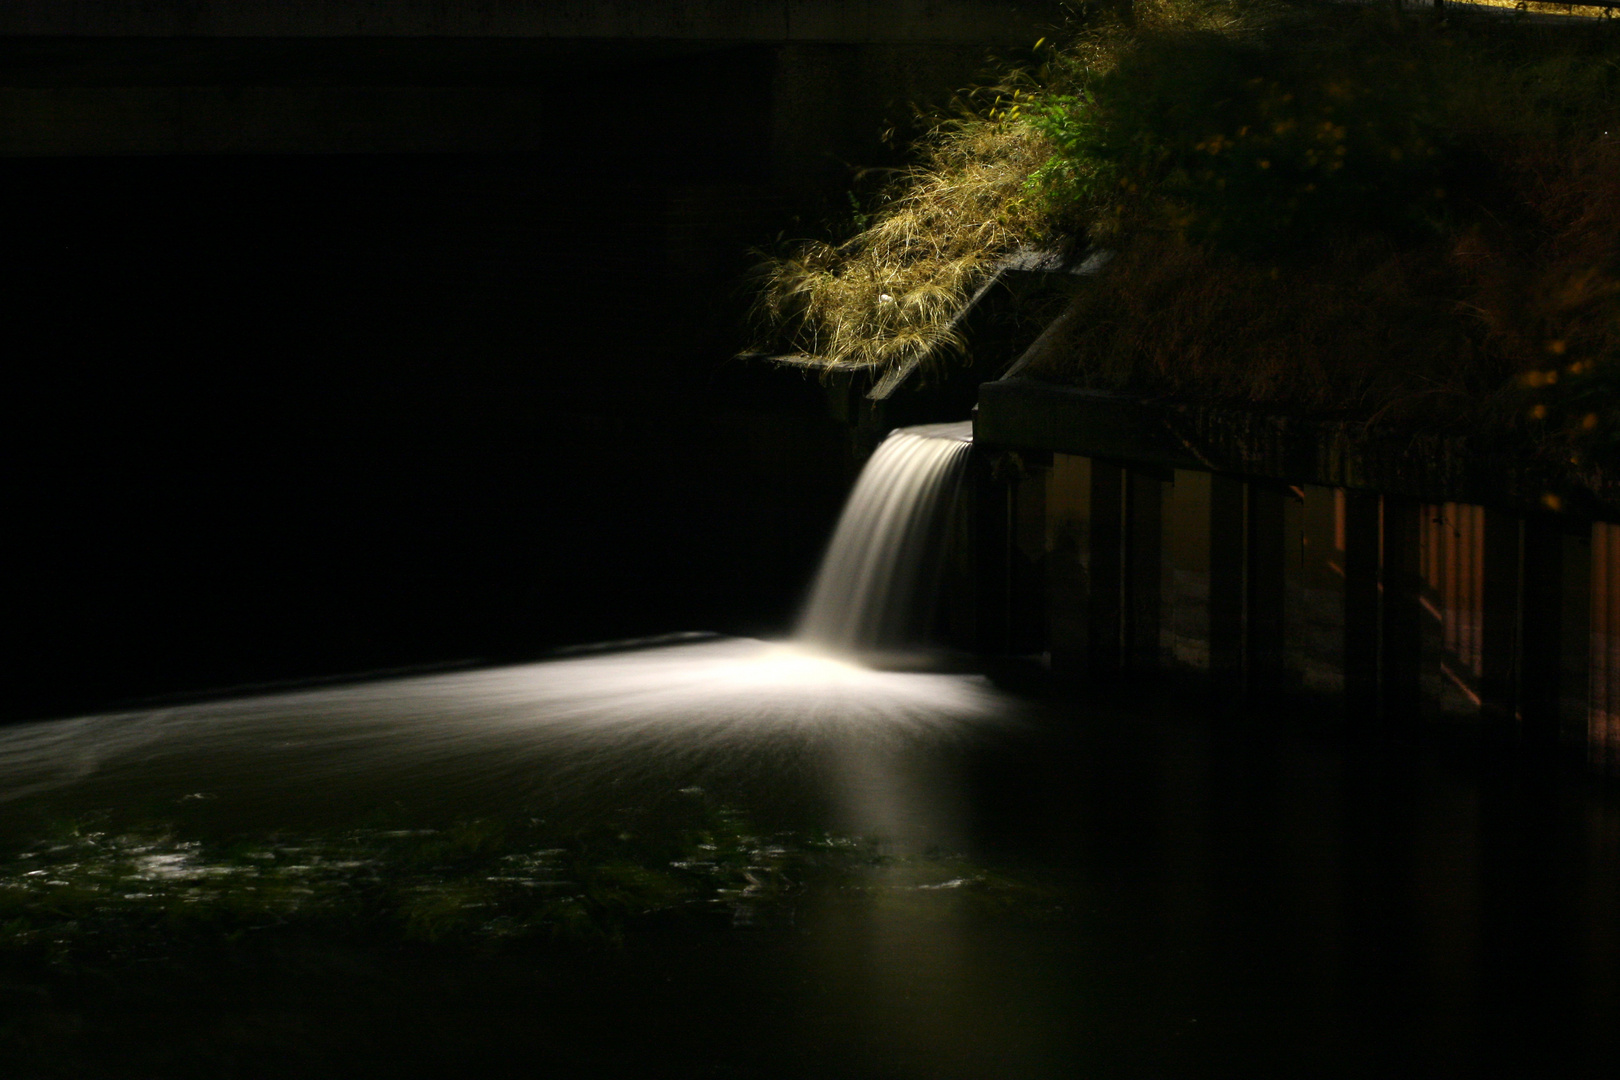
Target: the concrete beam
(849, 21)
(1020, 412)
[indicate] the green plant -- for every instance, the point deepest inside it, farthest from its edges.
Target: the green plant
(1249, 142)
(1332, 208)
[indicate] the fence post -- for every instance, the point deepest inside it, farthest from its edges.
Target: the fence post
(1267, 589)
(1143, 569)
(1103, 618)
(1361, 550)
(992, 498)
(1402, 644)
(1499, 629)
(1026, 570)
(1226, 546)
(1542, 655)
(1068, 584)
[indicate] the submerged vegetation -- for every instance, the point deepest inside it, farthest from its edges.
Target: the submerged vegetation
(1338, 209)
(91, 893)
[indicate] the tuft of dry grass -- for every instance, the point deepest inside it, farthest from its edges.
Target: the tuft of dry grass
(887, 296)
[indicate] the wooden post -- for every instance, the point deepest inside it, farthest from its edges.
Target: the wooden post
(1575, 672)
(1267, 596)
(1361, 622)
(1499, 628)
(1315, 648)
(1226, 544)
(991, 540)
(1402, 637)
(1027, 559)
(1186, 555)
(1603, 708)
(1105, 562)
(1143, 569)
(1542, 658)
(1068, 588)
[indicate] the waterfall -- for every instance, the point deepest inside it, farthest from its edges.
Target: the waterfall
(874, 588)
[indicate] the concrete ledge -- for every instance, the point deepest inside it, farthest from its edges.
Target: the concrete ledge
(1024, 413)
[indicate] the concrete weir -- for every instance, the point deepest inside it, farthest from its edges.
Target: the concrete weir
(1393, 583)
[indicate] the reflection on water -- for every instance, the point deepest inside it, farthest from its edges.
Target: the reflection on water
(734, 858)
(742, 707)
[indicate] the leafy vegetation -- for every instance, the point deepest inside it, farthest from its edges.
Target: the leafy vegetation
(1340, 209)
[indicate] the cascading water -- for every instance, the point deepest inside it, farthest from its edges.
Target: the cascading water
(872, 590)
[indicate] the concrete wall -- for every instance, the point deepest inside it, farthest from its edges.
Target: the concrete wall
(860, 21)
(379, 76)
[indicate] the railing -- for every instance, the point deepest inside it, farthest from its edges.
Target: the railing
(1116, 552)
(1530, 7)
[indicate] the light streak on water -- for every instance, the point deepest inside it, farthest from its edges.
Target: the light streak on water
(741, 703)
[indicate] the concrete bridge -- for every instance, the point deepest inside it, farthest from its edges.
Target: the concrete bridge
(107, 77)
(857, 21)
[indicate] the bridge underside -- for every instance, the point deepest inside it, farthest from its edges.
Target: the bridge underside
(813, 108)
(402, 76)
(857, 21)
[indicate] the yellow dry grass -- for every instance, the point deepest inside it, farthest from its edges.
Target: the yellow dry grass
(889, 294)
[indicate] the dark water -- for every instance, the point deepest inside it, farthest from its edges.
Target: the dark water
(727, 858)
